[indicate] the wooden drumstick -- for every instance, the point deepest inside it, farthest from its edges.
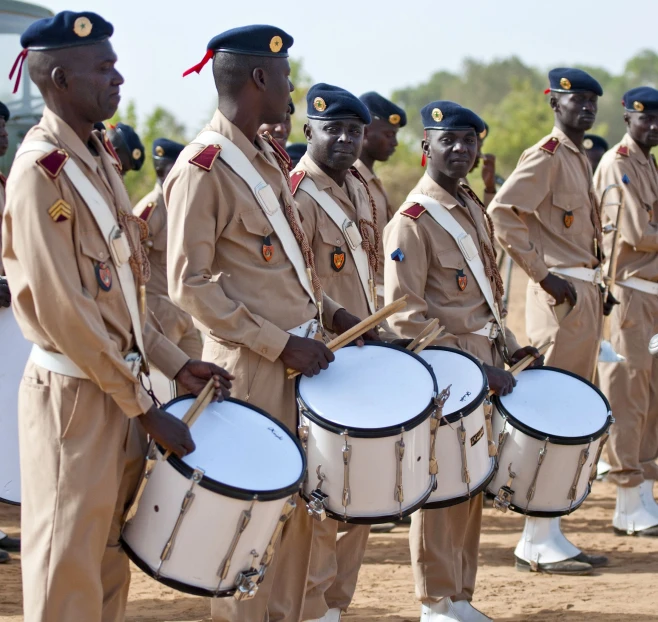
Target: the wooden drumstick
(517, 368)
(362, 327)
(427, 341)
(200, 404)
(429, 328)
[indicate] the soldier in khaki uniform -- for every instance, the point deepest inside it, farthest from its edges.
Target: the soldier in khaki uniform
(83, 414)
(280, 131)
(328, 190)
(632, 386)
(239, 263)
(379, 144)
(174, 323)
(595, 147)
(547, 218)
(423, 261)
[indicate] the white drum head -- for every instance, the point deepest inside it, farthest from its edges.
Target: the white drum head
(369, 388)
(238, 446)
(451, 367)
(555, 403)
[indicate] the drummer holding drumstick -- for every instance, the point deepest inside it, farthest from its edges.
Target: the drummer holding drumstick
(424, 261)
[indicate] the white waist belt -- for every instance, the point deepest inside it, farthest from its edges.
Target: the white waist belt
(489, 330)
(648, 287)
(582, 274)
(307, 329)
(61, 364)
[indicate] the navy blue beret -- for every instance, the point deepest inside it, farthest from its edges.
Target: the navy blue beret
(66, 29)
(325, 101)
(593, 141)
(640, 99)
(485, 132)
(382, 108)
(446, 115)
(166, 149)
(122, 135)
(256, 40)
(567, 80)
(4, 112)
(296, 151)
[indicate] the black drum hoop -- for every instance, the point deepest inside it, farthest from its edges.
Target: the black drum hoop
(555, 438)
(446, 503)
(371, 432)
(233, 491)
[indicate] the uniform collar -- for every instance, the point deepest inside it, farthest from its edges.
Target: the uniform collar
(634, 150)
(565, 140)
(366, 173)
(67, 138)
(323, 181)
(428, 186)
(226, 128)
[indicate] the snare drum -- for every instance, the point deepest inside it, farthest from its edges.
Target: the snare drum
(208, 524)
(16, 352)
(550, 431)
(365, 425)
(462, 451)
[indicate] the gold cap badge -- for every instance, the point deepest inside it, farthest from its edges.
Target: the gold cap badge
(82, 26)
(137, 154)
(588, 143)
(276, 44)
(394, 119)
(565, 84)
(159, 151)
(639, 106)
(319, 104)
(437, 115)
(483, 134)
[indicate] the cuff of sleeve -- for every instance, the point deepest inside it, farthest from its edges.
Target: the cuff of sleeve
(166, 356)
(134, 401)
(512, 344)
(329, 309)
(537, 270)
(270, 341)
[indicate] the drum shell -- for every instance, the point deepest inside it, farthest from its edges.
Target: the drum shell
(372, 472)
(450, 487)
(204, 537)
(556, 474)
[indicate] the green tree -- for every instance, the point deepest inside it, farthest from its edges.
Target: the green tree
(302, 82)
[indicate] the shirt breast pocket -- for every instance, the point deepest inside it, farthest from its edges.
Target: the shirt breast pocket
(455, 277)
(260, 239)
(568, 213)
(97, 270)
(333, 254)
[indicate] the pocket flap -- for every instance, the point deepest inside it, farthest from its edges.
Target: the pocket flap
(256, 222)
(568, 201)
(452, 259)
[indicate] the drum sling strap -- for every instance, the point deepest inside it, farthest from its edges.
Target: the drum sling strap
(466, 245)
(264, 195)
(333, 210)
(113, 235)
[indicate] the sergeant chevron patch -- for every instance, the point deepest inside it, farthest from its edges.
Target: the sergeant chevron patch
(60, 211)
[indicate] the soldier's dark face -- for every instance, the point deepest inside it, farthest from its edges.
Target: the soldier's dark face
(279, 87)
(4, 137)
(576, 111)
(335, 143)
(450, 153)
(279, 131)
(643, 127)
(380, 140)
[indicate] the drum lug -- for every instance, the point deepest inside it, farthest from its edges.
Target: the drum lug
(530, 495)
(503, 435)
(318, 500)
(461, 433)
(488, 416)
(604, 440)
(347, 455)
(582, 461)
(399, 489)
(505, 495)
(243, 521)
(197, 476)
(303, 433)
(151, 461)
(246, 585)
(437, 415)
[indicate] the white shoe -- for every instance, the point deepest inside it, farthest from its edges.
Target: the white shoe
(468, 613)
(333, 615)
(648, 500)
(633, 510)
(602, 469)
(443, 611)
(543, 542)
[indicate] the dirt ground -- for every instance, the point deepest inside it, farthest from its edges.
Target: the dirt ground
(626, 590)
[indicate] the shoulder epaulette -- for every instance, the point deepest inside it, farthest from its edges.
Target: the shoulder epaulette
(148, 210)
(415, 211)
(53, 162)
(109, 147)
(471, 193)
(623, 151)
(551, 145)
(206, 157)
(279, 149)
(295, 180)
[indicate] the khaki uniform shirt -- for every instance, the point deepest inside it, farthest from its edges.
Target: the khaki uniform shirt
(344, 285)
(156, 217)
(3, 183)
(638, 245)
(544, 213)
(52, 266)
(216, 262)
(429, 272)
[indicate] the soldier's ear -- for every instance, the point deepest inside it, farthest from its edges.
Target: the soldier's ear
(555, 103)
(308, 132)
(58, 77)
(627, 118)
(427, 151)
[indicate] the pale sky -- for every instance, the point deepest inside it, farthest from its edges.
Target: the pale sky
(359, 45)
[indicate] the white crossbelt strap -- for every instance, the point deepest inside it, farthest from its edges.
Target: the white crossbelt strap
(334, 211)
(582, 274)
(112, 233)
(466, 245)
(648, 287)
(239, 162)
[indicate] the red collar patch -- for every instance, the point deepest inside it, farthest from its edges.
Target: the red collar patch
(206, 157)
(415, 211)
(623, 151)
(551, 145)
(296, 179)
(53, 162)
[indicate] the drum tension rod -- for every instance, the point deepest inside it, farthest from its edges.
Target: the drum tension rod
(582, 461)
(399, 454)
(530, 495)
(316, 506)
(461, 434)
(347, 455)
(243, 521)
(505, 495)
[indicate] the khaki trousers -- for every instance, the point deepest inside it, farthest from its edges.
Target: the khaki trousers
(350, 549)
(632, 388)
(445, 543)
(81, 460)
(280, 598)
(575, 330)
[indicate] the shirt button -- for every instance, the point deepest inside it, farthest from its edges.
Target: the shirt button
(337, 241)
(101, 254)
(264, 350)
